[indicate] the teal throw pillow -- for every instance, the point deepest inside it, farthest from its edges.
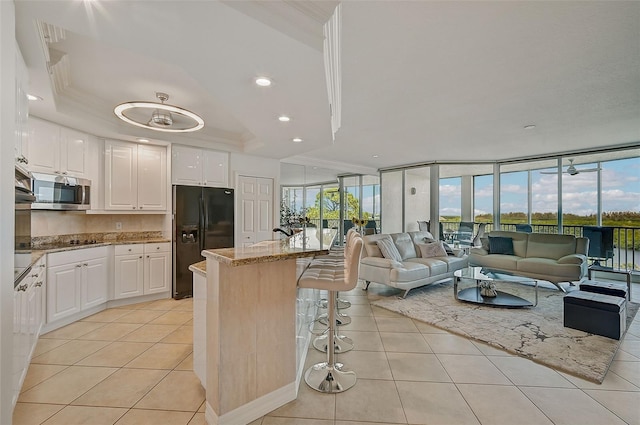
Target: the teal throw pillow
(500, 245)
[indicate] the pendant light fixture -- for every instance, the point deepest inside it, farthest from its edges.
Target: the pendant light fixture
(159, 116)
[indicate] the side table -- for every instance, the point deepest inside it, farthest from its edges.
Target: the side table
(593, 268)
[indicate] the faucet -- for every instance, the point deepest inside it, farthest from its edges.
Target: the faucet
(277, 229)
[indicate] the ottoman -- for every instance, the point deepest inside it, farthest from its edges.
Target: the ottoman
(607, 288)
(595, 313)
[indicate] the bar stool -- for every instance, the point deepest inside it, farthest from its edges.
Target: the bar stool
(326, 377)
(335, 257)
(336, 261)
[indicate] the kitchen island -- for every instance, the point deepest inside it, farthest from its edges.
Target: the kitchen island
(248, 317)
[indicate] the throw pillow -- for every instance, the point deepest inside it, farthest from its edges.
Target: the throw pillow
(500, 245)
(434, 249)
(446, 246)
(388, 249)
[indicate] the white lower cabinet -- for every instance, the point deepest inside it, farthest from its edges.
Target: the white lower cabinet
(28, 318)
(129, 271)
(76, 280)
(142, 269)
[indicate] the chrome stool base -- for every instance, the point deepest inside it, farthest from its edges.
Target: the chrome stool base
(342, 304)
(341, 319)
(329, 379)
(341, 343)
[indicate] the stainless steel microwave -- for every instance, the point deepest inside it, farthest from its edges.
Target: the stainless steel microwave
(55, 192)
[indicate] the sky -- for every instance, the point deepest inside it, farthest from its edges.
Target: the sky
(620, 191)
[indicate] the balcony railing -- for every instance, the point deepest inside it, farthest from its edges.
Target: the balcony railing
(626, 241)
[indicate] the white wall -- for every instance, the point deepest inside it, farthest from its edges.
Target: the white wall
(7, 218)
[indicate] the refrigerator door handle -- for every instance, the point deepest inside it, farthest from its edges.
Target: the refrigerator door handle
(202, 224)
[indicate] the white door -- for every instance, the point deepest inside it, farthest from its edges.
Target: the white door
(94, 283)
(156, 272)
(256, 209)
(121, 176)
(63, 291)
(152, 178)
(128, 277)
(264, 214)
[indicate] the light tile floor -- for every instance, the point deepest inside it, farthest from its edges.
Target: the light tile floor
(133, 365)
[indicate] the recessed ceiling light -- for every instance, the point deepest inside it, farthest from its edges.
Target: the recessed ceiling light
(284, 118)
(296, 140)
(263, 81)
(140, 139)
(529, 127)
(33, 97)
(375, 156)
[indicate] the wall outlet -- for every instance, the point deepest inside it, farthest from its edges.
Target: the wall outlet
(118, 225)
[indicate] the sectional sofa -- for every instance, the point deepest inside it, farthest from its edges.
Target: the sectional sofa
(551, 257)
(411, 270)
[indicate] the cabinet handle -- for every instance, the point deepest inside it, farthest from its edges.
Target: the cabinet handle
(140, 207)
(78, 265)
(34, 275)
(85, 264)
(147, 256)
(42, 266)
(22, 287)
(157, 247)
(64, 173)
(134, 208)
(140, 256)
(129, 249)
(38, 284)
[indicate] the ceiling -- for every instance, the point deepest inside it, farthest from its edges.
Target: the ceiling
(421, 81)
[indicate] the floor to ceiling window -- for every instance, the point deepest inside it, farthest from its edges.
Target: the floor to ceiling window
(483, 198)
(514, 204)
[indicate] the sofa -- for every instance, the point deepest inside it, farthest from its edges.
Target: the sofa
(551, 257)
(411, 270)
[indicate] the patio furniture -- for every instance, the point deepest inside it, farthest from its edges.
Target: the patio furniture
(526, 228)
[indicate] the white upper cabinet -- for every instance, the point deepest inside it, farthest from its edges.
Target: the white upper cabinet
(135, 177)
(199, 167)
(57, 150)
(22, 110)
(215, 168)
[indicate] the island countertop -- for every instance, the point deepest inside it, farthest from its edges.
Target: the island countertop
(266, 251)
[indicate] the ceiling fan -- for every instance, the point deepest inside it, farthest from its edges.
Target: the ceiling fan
(572, 170)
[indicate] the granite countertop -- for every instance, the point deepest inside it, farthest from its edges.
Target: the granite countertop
(263, 252)
(65, 246)
(200, 267)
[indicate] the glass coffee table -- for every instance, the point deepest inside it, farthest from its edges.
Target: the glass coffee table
(502, 299)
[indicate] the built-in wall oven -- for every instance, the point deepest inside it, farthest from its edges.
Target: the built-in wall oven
(55, 192)
(22, 245)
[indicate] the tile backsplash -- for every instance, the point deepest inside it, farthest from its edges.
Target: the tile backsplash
(49, 223)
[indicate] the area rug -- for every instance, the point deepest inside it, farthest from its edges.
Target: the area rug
(536, 333)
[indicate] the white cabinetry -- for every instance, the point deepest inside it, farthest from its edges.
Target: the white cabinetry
(57, 150)
(28, 318)
(135, 177)
(77, 280)
(199, 167)
(157, 267)
(22, 110)
(142, 269)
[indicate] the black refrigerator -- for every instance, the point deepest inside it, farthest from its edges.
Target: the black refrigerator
(202, 219)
